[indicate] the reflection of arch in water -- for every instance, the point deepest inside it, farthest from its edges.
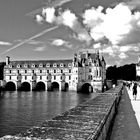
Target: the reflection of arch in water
(87, 88)
(25, 86)
(65, 87)
(40, 86)
(10, 86)
(55, 86)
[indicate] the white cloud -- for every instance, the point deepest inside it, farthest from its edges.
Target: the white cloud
(60, 42)
(119, 25)
(115, 24)
(127, 48)
(109, 50)
(66, 18)
(123, 56)
(96, 46)
(49, 14)
(5, 43)
(70, 20)
(39, 18)
(114, 30)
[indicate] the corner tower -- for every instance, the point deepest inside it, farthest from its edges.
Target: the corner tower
(91, 71)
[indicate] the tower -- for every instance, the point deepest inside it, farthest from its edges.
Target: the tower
(7, 60)
(139, 59)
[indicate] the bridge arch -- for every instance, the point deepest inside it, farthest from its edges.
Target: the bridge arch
(40, 86)
(55, 86)
(86, 88)
(64, 86)
(25, 86)
(10, 86)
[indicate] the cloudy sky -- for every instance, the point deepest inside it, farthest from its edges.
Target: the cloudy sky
(56, 29)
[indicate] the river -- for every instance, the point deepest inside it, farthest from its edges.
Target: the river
(22, 110)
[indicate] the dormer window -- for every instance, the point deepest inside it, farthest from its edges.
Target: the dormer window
(40, 65)
(69, 65)
(61, 65)
(48, 65)
(10, 66)
(25, 65)
(18, 65)
(33, 66)
(54, 65)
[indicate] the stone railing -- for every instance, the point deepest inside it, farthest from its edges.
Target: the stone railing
(89, 120)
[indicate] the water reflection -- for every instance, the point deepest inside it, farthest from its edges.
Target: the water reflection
(22, 110)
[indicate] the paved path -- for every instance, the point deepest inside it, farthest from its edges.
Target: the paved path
(135, 104)
(126, 125)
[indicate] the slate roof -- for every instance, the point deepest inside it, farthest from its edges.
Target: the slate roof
(37, 63)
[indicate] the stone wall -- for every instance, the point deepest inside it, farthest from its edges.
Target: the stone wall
(89, 120)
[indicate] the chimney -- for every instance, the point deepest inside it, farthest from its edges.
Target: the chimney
(87, 55)
(139, 59)
(7, 60)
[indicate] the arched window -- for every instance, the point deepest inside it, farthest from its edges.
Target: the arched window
(25, 77)
(54, 71)
(18, 71)
(54, 77)
(25, 71)
(69, 70)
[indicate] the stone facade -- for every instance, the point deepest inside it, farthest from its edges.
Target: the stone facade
(86, 72)
(91, 70)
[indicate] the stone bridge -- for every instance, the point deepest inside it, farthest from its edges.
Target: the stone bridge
(28, 85)
(90, 120)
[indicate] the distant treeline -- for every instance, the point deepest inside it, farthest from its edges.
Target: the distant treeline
(126, 72)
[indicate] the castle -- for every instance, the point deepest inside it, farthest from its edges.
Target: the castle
(85, 73)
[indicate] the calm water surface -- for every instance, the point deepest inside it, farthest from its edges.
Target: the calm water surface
(22, 110)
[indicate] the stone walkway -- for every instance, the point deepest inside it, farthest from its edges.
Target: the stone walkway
(127, 121)
(135, 104)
